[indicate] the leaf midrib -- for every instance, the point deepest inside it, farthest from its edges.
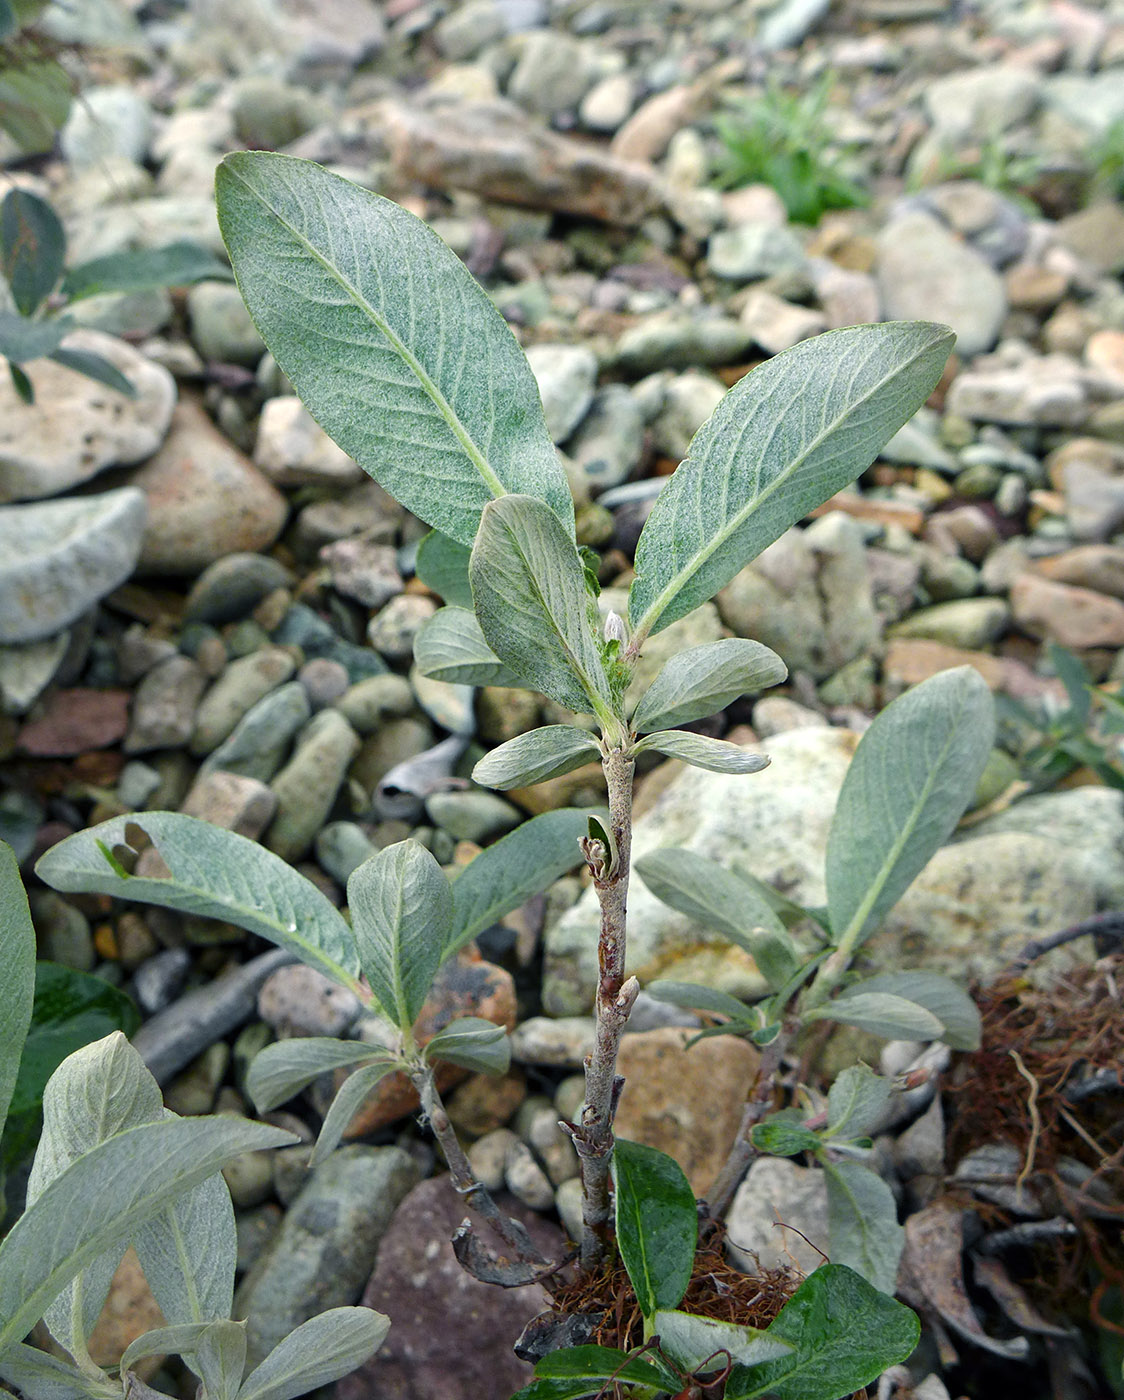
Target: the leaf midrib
(429, 387)
(676, 584)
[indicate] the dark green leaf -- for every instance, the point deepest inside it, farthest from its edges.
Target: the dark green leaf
(388, 338)
(472, 1043)
(784, 439)
(703, 680)
(21, 383)
(442, 564)
(141, 269)
(22, 339)
(529, 592)
(95, 367)
(657, 1224)
(8, 26)
(536, 756)
(593, 1363)
(863, 1223)
(845, 1334)
(715, 755)
(32, 249)
(507, 873)
(1070, 670)
(450, 646)
(784, 1137)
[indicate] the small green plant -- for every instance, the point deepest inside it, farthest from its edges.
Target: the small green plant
(784, 139)
(115, 1168)
(401, 356)
(35, 89)
(32, 263)
(1106, 159)
(1051, 741)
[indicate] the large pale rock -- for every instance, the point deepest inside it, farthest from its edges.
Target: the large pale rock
(205, 499)
(57, 558)
(685, 1102)
(777, 1193)
(773, 824)
(77, 427)
(294, 450)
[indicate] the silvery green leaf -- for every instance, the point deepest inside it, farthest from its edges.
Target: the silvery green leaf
(41, 1376)
(856, 1100)
(785, 438)
(220, 1359)
(17, 973)
(401, 914)
(189, 1253)
(941, 996)
(442, 565)
(472, 1043)
(863, 1224)
(96, 1092)
(283, 1069)
(536, 756)
(528, 587)
(390, 341)
(715, 755)
(216, 873)
(913, 774)
(703, 680)
(164, 1341)
(100, 1200)
(724, 900)
(694, 997)
(318, 1352)
(880, 1013)
(450, 646)
(691, 1340)
(345, 1106)
(509, 871)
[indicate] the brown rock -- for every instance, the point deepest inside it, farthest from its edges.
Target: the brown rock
(493, 149)
(648, 132)
(1089, 452)
(484, 1102)
(1073, 617)
(1034, 288)
(868, 508)
(1096, 566)
(130, 1310)
(70, 722)
(1105, 351)
(205, 498)
(241, 804)
(450, 1336)
(687, 1103)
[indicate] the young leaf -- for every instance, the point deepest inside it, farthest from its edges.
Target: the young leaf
(22, 339)
(164, 1341)
(32, 249)
(694, 997)
(856, 1101)
(319, 1351)
(881, 1013)
(863, 1223)
(20, 382)
(691, 1341)
(345, 1106)
(844, 1334)
(95, 367)
(220, 1358)
(442, 407)
(41, 1376)
(715, 755)
(283, 1069)
(442, 565)
(17, 974)
(529, 592)
(401, 914)
(140, 269)
(784, 439)
(657, 1224)
(507, 873)
(724, 900)
(913, 774)
(601, 1364)
(473, 1043)
(100, 1200)
(450, 646)
(940, 996)
(703, 680)
(189, 1253)
(216, 873)
(784, 1137)
(534, 757)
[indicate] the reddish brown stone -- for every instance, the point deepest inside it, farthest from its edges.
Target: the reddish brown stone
(70, 722)
(1073, 617)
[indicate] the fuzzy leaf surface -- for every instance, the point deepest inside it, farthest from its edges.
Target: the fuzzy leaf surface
(442, 565)
(528, 587)
(318, 1352)
(703, 680)
(394, 347)
(913, 774)
(695, 997)
(473, 1043)
(345, 1106)
(657, 1224)
(863, 1223)
(216, 873)
(41, 1376)
(283, 1069)
(534, 757)
(401, 913)
(450, 646)
(856, 1100)
(715, 755)
(691, 1340)
(785, 438)
(32, 248)
(17, 974)
(940, 996)
(220, 1358)
(880, 1013)
(189, 1253)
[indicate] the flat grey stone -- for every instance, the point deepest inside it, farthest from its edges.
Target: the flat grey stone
(57, 558)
